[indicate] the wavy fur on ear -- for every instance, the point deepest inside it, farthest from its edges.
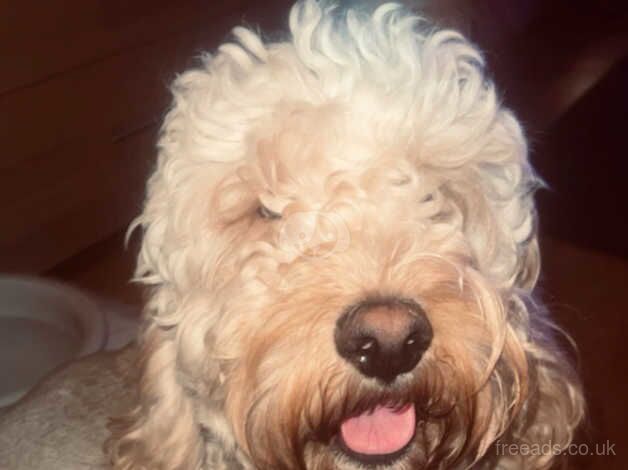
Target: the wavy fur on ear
(385, 133)
(555, 407)
(162, 431)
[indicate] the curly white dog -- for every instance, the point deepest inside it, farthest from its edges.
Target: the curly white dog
(340, 240)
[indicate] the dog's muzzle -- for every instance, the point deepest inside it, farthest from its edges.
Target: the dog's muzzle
(382, 339)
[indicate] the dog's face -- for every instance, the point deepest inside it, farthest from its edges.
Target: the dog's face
(351, 323)
(341, 235)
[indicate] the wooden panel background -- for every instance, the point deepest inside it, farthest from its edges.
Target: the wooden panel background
(83, 87)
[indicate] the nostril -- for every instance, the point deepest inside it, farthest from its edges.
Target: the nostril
(367, 344)
(419, 337)
(367, 349)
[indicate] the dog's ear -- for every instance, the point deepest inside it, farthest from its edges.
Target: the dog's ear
(494, 193)
(554, 409)
(162, 430)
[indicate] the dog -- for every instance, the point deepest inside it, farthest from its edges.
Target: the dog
(340, 245)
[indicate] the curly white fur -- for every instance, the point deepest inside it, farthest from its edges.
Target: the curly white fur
(389, 130)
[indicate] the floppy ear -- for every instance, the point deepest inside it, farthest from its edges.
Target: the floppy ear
(494, 194)
(161, 432)
(551, 415)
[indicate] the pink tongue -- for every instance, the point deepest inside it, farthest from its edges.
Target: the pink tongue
(379, 432)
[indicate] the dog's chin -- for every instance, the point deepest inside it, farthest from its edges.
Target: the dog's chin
(379, 437)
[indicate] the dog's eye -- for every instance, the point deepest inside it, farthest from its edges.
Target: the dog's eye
(266, 213)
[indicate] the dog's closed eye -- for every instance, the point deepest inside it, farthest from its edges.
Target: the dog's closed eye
(265, 213)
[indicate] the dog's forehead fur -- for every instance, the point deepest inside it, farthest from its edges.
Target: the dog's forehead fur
(366, 156)
(385, 93)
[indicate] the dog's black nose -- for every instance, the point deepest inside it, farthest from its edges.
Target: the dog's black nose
(383, 339)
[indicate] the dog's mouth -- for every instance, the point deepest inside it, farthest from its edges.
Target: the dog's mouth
(380, 435)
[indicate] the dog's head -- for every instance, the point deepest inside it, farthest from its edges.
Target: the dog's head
(341, 238)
